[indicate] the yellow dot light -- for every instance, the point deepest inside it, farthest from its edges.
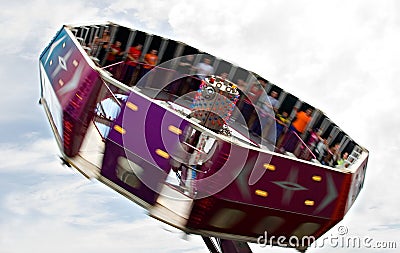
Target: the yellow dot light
(317, 178)
(132, 106)
(119, 129)
(162, 153)
(261, 193)
(174, 129)
(309, 202)
(269, 166)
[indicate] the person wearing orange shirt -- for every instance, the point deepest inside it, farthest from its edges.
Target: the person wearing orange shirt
(298, 126)
(302, 120)
(150, 59)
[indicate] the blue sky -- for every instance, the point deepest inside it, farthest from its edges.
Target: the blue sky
(340, 56)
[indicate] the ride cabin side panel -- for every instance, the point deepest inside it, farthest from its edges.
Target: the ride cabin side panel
(74, 88)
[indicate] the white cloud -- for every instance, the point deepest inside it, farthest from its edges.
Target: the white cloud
(31, 156)
(153, 13)
(23, 35)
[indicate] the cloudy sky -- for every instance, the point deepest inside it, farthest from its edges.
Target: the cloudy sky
(340, 56)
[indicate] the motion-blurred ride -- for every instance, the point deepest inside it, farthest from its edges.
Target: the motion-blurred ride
(186, 155)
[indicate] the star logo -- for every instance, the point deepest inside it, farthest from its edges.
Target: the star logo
(61, 63)
(290, 186)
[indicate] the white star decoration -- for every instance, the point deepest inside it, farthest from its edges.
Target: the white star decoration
(62, 63)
